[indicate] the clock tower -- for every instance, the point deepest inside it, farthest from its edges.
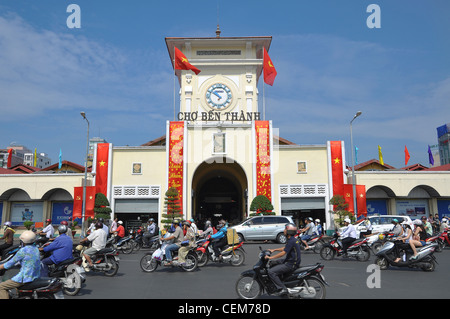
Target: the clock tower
(226, 88)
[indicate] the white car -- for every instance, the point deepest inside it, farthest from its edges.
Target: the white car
(381, 223)
(267, 227)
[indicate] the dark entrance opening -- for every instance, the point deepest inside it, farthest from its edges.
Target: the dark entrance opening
(219, 190)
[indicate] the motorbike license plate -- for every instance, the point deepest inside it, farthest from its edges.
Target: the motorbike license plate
(335, 245)
(59, 295)
(116, 258)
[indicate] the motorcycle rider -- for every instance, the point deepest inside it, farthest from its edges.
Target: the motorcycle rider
(219, 239)
(48, 231)
(151, 232)
(178, 238)
(61, 249)
(398, 229)
(30, 264)
(8, 236)
(292, 261)
(208, 229)
(190, 237)
(419, 237)
(349, 235)
(444, 224)
(308, 232)
(98, 238)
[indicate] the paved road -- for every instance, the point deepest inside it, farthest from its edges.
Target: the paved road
(347, 279)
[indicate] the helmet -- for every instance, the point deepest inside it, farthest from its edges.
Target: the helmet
(347, 220)
(176, 221)
(444, 220)
(64, 222)
(417, 222)
(62, 229)
(395, 220)
(119, 222)
(291, 229)
(151, 220)
(187, 223)
(101, 220)
(28, 237)
(48, 220)
(98, 225)
(208, 223)
(8, 224)
(381, 236)
(317, 220)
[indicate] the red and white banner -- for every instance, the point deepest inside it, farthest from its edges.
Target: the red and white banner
(176, 164)
(78, 202)
(102, 164)
(263, 171)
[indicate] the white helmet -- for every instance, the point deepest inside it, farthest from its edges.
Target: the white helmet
(417, 222)
(28, 237)
(347, 220)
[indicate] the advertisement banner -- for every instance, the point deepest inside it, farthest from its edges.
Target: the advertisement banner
(377, 207)
(443, 208)
(61, 211)
(263, 175)
(414, 208)
(27, 211)
(175, 169)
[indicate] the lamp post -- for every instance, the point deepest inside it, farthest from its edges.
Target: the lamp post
(83, 213)
(355, 208)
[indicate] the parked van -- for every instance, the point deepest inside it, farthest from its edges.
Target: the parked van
(268, 227)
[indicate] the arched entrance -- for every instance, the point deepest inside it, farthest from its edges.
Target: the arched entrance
(219, 190)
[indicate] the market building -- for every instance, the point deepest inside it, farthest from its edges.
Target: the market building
(220, 152)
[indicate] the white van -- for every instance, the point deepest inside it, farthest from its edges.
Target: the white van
(382, 223)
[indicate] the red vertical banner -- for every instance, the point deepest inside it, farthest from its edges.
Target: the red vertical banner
(176, 141)
(337, 167)
(348, 196)
(263, 176)
(361, 200)
(78, 202)
(102, 164)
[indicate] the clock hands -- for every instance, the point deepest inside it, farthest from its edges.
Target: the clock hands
(217, 94)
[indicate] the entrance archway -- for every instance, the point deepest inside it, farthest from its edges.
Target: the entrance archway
(219, 190)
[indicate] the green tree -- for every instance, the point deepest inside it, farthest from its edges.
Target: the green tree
(340, 209)
(101, 207)
(261, 205)
(172, 207)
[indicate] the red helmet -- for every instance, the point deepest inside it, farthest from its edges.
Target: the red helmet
(64, 222)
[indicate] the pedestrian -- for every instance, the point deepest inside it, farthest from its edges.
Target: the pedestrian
(114, 225)
(427, 225)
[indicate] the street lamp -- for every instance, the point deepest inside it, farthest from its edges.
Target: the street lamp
(83, 114)
(353, 165)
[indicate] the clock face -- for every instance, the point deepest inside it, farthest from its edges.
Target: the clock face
(219, 96)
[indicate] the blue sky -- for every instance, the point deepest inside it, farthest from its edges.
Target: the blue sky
(330, 65)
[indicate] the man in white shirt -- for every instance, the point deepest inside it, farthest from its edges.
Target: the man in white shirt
(98, 240)
(348, 235)
(48, 231)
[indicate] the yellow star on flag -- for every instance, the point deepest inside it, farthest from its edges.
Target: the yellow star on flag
(337, 160)
(102, 163)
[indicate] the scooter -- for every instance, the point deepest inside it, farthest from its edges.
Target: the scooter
(105, 260)
(305, 282)
(425, 258)
(150, 261)
(41, 288)
(315, 243)
(358, 249)
(233, 254)
(69, 272)
(123, 244)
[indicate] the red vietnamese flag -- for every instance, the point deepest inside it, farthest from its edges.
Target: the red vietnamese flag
(102, 163)
(78, 202)
(9, 158)
(182, 63)
(337, 168)
(361, 200)
(407, 157)
(269, 70)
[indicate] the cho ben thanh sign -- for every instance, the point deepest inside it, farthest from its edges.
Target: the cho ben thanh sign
(219, 116)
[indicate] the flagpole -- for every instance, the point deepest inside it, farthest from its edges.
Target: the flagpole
(264, 92)
(175, 75)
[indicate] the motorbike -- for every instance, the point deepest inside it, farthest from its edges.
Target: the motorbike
(358, 249)
(105, 260)
(315, 243)
(137, 238)
(425, 258)
(439, 240)
(124, 244)
(376, 241)
(70, 273)
(305, 282)
(233, 254)
(151, 260)
(41, 288)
